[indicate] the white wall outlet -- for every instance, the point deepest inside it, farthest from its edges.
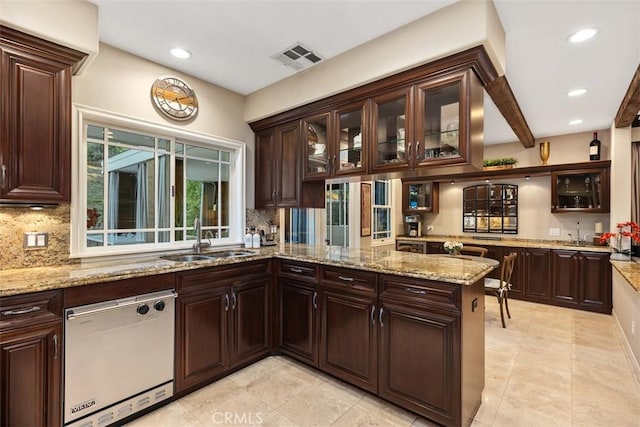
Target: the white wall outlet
(554, 231)
(429, 227)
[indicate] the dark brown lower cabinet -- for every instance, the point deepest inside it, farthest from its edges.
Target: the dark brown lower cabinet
(297, 320)
(348, 336)
(222, 321)
(582, 280)
(419, 353)
(537, 274)
(31, 359)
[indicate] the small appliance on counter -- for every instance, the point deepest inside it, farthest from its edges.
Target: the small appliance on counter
(269, 239)
(413, 225)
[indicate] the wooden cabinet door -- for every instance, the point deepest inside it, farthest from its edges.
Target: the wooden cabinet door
(201, 336)
(419, 357)
(348, 337)
(288, 167)
(30, 376)
(391, 131)
(297, 307)
(435, 248)
(537, 274)
(351, 140)
(266, 157)
(251, 321)
(35, 142)
(595, 282)
(565, 276)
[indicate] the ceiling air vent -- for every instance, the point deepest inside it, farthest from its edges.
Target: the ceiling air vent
(297, 57)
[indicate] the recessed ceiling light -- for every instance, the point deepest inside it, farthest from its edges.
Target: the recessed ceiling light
(582, 35)
(577, 92)
(181, 53)
(575, 122)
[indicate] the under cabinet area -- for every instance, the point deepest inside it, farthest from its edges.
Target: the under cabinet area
(419, 197)
(35, 142)
(31, 359)
(222, 321)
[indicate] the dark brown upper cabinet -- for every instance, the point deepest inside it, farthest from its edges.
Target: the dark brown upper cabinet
(316, 140)
(35, 118)
(350, 136)
(580, 190)
(392, 133)
(278, 166)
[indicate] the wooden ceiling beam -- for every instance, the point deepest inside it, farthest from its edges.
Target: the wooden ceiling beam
(502, 95)
(630, 105)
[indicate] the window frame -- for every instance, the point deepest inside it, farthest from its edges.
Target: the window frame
(375, 240)
(237, 180)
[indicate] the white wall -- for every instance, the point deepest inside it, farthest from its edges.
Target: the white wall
(626, 308)
(120, 83)
(455, 28)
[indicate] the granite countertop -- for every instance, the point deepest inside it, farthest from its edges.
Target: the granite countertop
(462, 270)
(513, 242)
(630, 270)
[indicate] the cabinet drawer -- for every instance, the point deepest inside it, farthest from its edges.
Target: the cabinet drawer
(223, 275)
(29, 309)
(298, 270)
(424, 292)
(352, 279)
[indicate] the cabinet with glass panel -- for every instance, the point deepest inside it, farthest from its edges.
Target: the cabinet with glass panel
(490, 208)
(585, 190)
(335, 142)
(419, 197)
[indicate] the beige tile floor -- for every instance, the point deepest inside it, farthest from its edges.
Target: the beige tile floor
(550, 367)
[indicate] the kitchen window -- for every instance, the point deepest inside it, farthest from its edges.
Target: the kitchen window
(142, 187)
(382, 211)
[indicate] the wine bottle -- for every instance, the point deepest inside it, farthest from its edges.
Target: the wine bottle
(594, 147)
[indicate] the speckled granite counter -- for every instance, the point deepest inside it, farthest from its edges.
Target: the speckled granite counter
(512, 242)
(630, 270)
(461, 270)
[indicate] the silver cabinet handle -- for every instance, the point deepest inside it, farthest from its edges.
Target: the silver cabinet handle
(408, 150)
(226, 302)
(417, 148)
(273, 196)
(334, 163)
(416, 291)
(55, 346)
(346, 279)
(373, 318)
(315, 300)
(380, 317)
(23, 311)
(3, 180)
(295, 270)
(233, 300)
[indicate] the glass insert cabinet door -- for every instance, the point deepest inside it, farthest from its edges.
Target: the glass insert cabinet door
(391, 147)
(419, 196)
(350, 137)
(580, 191)
(316, 136)
(440, 121)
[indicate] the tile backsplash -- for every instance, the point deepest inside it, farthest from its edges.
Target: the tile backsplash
(14, 222)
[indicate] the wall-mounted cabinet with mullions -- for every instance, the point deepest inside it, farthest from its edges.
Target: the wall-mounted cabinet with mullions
(490, 208)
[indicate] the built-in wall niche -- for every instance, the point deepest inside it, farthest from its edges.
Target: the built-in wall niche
(490, 208)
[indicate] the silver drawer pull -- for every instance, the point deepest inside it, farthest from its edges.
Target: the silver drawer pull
(346, 279)
(373, 317)
(380, 313)
(416, 291)
(315, 300)
(295, 270)
(23, 311)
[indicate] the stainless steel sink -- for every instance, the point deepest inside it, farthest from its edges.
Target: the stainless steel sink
(230, 253)
(186, 257)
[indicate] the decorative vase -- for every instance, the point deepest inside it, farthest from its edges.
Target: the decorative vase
(545, 148)
(618, 254)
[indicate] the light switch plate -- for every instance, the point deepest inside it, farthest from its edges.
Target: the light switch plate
(36, 240)
(554, 231)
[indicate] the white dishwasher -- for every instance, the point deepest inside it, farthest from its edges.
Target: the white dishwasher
(118, 358)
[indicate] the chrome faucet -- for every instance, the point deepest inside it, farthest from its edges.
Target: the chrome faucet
(577, 240)
(198, 245)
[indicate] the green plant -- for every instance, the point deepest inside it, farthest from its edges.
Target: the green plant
(500, 162)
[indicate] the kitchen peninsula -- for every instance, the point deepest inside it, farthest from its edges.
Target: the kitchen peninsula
(414, 324)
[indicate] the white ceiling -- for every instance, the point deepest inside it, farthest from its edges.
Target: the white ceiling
(232, 42)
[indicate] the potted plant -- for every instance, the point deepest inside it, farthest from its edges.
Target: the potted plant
(501, 163)
(453, 248)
